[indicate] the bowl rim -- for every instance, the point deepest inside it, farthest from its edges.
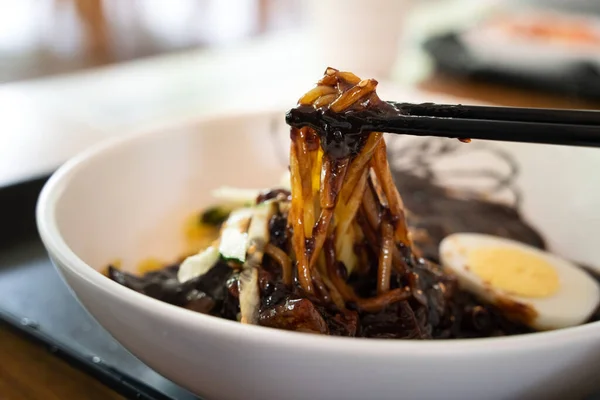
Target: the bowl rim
(63, 255)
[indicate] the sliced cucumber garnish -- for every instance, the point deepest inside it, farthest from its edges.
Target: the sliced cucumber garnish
(234, 235)
(216, 215)
(198, 264)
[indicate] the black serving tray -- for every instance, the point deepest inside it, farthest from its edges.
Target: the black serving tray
(35, 301)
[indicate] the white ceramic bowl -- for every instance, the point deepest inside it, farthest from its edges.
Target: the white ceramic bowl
(128, 199)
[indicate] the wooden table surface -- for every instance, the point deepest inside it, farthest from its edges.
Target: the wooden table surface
(28, 371)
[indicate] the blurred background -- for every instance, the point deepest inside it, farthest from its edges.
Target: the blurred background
(75, 72)
(48, 37)
(41, 38)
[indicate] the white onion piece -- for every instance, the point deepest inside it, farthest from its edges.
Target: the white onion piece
(249, 296)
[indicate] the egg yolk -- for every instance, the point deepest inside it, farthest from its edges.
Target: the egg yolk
(149, 265)
(514, 271)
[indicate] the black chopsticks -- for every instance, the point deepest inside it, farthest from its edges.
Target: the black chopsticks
(509, 124)
(561, 116)
(529, 125)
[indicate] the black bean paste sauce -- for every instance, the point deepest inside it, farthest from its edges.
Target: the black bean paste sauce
(428, 303)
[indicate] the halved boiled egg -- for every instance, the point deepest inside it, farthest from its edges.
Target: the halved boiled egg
(527, 284)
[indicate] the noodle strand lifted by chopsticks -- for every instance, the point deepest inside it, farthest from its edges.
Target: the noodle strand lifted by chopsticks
(357, 198)
(395, 204)
(384, 271)
(296, 219)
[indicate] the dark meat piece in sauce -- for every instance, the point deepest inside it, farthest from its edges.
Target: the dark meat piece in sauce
(396, 321)
(294, 315)
(203, 294)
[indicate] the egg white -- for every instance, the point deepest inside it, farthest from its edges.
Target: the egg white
(573, 303)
